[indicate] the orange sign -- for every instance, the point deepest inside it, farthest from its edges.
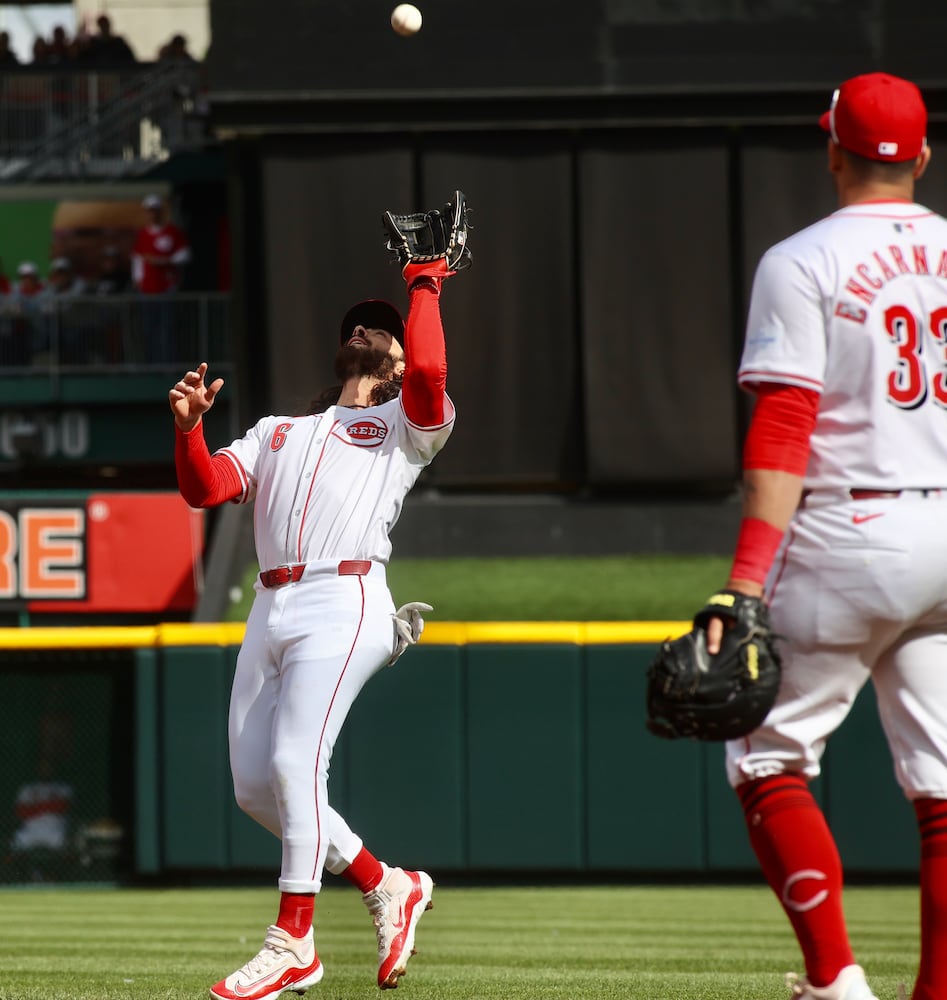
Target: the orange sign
(107, 552)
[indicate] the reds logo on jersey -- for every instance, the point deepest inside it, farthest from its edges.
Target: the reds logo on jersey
(165, 242)
(366, 432)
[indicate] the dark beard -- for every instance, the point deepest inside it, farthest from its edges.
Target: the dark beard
(354, 361)
(358, 362)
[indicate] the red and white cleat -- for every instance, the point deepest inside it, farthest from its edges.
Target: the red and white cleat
(397, 904)
(283, 963)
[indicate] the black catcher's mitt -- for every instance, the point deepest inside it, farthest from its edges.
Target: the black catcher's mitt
(422, 237)
(694, 695)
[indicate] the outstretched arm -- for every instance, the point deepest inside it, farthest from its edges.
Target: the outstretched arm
(204, 480)
(424, 390)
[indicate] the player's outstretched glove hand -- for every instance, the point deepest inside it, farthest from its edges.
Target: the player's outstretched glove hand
(694, 695)
(423, 238)
(408, 626)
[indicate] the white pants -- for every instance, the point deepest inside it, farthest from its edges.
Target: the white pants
(308, 650)
(859, 591)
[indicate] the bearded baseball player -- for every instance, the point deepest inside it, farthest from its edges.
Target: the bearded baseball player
(845, 502)
(327, 488)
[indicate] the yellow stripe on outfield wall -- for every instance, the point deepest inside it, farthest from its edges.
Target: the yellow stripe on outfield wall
(435, 633)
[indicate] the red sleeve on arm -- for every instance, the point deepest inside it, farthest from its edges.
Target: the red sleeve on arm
(423, 392)
(778, 439)
(204, 480)
(782, 424)
(756, 548)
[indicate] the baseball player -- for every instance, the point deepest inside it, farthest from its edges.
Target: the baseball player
(327, 487)
(845, 501)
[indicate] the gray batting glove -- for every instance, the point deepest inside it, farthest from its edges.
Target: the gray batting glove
(408, 626)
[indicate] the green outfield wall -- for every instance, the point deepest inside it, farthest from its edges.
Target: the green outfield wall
(488, 748)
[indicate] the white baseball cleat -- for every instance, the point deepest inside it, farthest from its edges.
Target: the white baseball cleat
(850, 984)
(283, 963)
(397, 904)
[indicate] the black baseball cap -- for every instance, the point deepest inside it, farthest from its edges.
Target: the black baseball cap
(375, 314)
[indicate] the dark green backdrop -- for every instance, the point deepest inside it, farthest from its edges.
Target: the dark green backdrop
(494, 758)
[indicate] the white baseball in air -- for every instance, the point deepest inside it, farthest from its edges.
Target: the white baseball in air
(406, 19)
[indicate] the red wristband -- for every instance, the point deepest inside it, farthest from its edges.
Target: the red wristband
(756, 548)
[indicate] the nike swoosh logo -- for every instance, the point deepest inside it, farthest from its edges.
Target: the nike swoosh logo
(251, 988)
(862, 518)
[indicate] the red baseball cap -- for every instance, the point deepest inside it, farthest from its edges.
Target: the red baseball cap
(878, 116)
(376, 314)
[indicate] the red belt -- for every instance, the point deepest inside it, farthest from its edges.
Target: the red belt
(874, 494)
(889, 494)
(860, 494)
(292, 574)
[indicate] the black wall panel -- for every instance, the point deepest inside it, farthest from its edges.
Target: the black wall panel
(323, 251)
(333, 46)
(510, 319)
(657, 311)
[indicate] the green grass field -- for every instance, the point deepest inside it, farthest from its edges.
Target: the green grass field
(529, 943)
(615, 588)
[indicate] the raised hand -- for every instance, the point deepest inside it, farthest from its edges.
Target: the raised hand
(190, 398)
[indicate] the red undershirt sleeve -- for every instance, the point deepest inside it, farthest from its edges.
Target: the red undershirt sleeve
(204, 480)
(782, 424)
(423, 391)
(778, 439)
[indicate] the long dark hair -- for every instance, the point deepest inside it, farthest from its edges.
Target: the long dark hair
(381, 393)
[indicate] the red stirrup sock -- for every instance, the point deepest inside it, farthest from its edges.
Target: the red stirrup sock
(800, 861)
(295, 912)
(931, 982)
(365, 872)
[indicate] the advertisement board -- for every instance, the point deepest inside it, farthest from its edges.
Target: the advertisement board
(100, 552)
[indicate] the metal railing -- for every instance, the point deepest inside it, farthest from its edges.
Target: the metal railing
(77, 124)
(86, 333)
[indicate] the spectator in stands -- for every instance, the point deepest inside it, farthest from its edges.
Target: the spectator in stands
(60, 47)
(115, 276)
(7, 56)
(160, 253)
(10, 348)
(40, 51)
(184, 120)
(63, 280)
(43, 803)
(107, 49)
(176, 49)
(28, 283)
(42, 809)
(159, 256)
(70, 324)
(22, 333)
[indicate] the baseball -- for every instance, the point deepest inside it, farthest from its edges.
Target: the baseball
(406, 19)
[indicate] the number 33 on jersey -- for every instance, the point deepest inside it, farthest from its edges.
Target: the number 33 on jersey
(830, 312)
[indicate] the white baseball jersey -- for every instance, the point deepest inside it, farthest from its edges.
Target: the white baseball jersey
(327, 489)
(855, 308)
(331, 485)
